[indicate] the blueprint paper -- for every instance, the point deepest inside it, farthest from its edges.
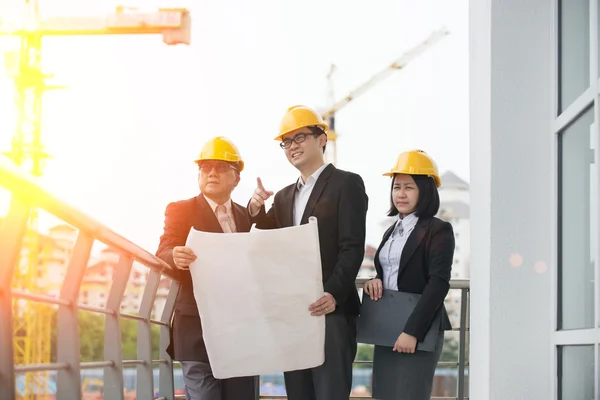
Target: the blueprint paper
(253, 290)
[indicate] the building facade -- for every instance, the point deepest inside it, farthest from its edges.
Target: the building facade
(56, 249)
(455, 208)
(534, 91)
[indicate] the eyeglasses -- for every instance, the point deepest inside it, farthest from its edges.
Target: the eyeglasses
(299, 138)
(219, 166)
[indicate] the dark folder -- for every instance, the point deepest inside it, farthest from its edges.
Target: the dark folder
(382, 321)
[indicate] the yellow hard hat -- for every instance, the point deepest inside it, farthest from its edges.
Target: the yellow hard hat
(416, 162)
(297, 117)
(222, 149)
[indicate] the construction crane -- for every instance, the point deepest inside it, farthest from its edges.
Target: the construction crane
(398, 64)
(32, 325)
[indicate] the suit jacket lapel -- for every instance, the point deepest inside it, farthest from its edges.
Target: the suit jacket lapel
(241, 218)
(287, 201)
(316, 192)
(385, 238)
(414, 240)
(204, 218)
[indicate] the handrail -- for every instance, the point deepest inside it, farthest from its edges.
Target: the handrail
(25, 187)
(454, 283)
(28, 194)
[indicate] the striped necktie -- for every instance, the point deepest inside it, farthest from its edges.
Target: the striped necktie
(400, 228)
(224, 219)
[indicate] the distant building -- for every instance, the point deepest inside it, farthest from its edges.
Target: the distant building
(55, 252)
(55, 255)
(99, 277)
(367, 269)
(455, 208)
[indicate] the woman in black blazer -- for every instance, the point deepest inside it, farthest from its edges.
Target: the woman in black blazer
(414, 256)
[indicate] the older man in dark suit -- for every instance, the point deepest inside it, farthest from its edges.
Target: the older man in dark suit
(338, 200)
(212, 210)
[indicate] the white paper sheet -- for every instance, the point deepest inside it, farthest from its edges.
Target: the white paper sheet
(253, 291)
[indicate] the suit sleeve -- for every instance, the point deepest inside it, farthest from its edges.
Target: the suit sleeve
(441, 254)
(175, 232)
(264, 219)
(352, 216)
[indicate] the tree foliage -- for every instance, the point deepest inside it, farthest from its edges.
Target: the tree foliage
(449, 351)
(364, 352)
(91, 337)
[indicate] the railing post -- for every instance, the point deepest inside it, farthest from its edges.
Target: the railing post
(113, 349)
(12, 231)
(462, 343)
(145, 371)
(68, 350)
(166, 384)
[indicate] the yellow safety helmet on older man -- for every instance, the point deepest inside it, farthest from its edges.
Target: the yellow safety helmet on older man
(416, 162)
(221, 149)
(297, 117)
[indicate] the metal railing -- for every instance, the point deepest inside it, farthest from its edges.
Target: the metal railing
(27, 195)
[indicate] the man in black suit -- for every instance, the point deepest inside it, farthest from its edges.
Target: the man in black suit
(212, 210)
(338, 200)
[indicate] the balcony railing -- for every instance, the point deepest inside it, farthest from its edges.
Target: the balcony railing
(27, 195)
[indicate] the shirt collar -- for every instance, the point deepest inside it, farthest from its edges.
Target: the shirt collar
(408, 222)
(311, 179)
(213, 205)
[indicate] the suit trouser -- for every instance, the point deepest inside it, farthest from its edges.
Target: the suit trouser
(333, 379)
(200, 384)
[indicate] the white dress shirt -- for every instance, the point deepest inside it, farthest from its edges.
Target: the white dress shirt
(303, 193)
(213, 205)
(391, 252)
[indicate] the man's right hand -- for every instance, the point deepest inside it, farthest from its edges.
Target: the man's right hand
(258, 198)
(183, 257)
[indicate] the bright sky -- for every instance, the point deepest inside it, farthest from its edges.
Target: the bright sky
(136, 111)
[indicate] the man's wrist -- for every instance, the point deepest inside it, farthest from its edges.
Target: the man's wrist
(254, 213)
(334, 300)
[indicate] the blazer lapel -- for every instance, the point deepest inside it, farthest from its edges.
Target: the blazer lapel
(414, 240)
(287, 201)
(241, 218)
(204, 218)
(316, 192)
(385, 238)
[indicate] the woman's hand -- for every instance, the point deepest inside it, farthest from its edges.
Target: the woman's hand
(374, 288)
(405, 343)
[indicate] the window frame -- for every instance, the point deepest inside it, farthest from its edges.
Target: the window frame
(560, 121)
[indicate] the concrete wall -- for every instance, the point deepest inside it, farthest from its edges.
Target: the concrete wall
(512, 206)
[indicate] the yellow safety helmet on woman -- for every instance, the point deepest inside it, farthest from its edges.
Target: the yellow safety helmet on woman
(297, 117)
(221, 149)
(416, 162)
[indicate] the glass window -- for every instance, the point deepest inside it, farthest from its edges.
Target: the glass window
(573, 50)
(577, 237)
(576, 372)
